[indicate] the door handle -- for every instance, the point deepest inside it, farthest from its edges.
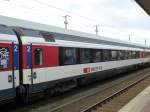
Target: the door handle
(10, 78)
(34, 75)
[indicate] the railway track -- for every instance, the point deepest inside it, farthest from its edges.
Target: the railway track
(85, 103)
(116, 101)
(81, 99)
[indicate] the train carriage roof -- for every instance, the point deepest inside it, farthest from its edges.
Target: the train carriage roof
(68, 35)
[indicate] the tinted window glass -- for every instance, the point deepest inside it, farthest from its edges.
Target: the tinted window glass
(85, 56)
(69, 56)
(6, 30)
(96, 56)
(113, 55)
(38, 56)
(126, 55)
(4, 57)
(106, 55)
(137, 54)
(133, 54)
(121, 55)
(130, 55)
(148, 54)
(29, 32)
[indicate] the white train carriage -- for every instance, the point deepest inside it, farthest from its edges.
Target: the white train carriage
(60, 61)
(55, 59)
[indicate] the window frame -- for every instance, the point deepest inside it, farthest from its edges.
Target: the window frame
(64, 54)
(39, 65)
(89, 60)
(94, 55)
(133, 54)
(116, 58)
(104, 52)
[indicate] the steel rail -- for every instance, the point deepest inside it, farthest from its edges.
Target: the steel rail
(109, 98)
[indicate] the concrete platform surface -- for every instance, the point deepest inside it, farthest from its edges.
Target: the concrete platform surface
(141, 103)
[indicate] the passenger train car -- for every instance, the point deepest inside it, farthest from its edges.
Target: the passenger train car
(37, 58)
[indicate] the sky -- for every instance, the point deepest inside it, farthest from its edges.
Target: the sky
(117, 19)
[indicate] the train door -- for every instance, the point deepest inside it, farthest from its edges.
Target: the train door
(38, 70)
(9, 70)
(35, 62)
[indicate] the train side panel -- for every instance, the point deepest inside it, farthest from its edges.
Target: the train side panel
(9, 64)
(31, 72)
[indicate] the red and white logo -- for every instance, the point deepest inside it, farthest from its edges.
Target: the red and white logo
(86, 70)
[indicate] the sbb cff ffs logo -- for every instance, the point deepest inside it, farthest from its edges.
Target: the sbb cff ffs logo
(91, 69)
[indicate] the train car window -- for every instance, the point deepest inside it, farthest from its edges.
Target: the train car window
(96, 56)
(141, 54)
(69, 56)
(137, 54)
(121, 55)
(106, 55)
(38, 57)
(85, 56)
(144, 54)
(48, 37)
(4, 57)
(113, 55)
(148, 54)
(6, 30)
(126, 55)
(30, 32)
(130, 55)
(133, 54)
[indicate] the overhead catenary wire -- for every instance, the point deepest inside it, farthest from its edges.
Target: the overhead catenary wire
(70, 13)
(64, 10)
(67, 11)
(73, 13)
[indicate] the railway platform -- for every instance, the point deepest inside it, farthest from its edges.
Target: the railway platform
(141, 103)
